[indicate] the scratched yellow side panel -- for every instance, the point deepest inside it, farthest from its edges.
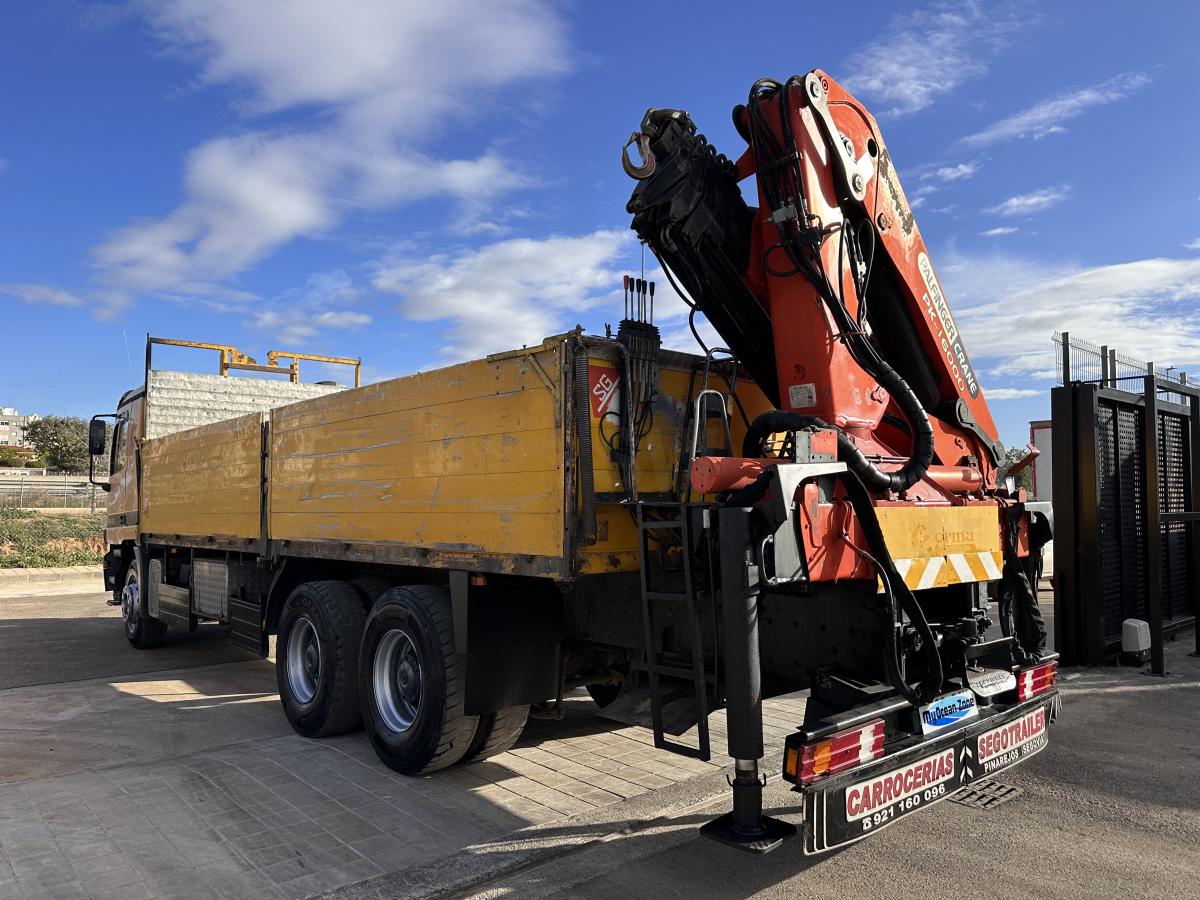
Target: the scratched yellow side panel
(205, 481)
(658, 461)
(466, 458)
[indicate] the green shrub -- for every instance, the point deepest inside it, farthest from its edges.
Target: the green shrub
(30, 539)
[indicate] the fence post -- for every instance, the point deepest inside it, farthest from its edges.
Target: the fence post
(1154, 611)
(1066, 357)
(1193, 526)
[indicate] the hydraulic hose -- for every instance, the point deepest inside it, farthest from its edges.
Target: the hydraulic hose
(894, 586)
(910, 473)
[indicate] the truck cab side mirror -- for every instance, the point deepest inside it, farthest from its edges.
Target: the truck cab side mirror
(97, 440)
(97, 437)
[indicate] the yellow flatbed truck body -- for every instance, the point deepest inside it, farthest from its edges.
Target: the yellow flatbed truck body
(473, 466)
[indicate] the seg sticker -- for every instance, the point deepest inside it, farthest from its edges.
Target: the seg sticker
(605, 386)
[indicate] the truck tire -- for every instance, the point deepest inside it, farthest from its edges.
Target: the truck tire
(142, 631)
(604, 694)
(371, 588)
(496, 733)
(412, 683)
(316, 658)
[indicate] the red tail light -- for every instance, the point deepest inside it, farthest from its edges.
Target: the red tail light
(1037, 680)
(844, 750)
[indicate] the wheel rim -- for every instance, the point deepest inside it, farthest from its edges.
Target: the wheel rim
(303, 660)
(130, 604)
(396, 678)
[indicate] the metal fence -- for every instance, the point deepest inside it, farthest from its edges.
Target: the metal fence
(1126, 499)
(1088, 363)
(33, 490)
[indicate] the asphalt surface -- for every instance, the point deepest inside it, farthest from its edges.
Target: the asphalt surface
(69, 637)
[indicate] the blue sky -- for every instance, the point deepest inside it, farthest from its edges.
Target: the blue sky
(417, 183)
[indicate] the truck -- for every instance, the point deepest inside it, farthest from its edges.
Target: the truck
(817, 506)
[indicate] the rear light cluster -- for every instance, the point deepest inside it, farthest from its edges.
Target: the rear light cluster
(1037, 680)
(844, 750)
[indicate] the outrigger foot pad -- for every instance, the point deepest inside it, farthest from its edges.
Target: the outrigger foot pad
(770, 833)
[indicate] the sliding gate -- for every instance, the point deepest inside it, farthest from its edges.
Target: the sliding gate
(1126, 485)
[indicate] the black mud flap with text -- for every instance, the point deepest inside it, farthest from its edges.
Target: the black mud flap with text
(856, 805)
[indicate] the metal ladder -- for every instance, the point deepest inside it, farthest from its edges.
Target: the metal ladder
(677, 517)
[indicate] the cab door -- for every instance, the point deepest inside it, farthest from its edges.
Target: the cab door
(123, 475)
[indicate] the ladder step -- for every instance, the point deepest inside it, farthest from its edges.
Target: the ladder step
(684, 672)
(666, 595)
(658, 524)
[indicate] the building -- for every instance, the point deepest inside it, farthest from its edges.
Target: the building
(1043, 466)
(12, 427)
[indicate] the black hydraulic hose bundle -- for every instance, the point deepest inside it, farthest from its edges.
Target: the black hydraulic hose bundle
(894, 587)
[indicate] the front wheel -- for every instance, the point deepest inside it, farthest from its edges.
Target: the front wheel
(411, 682)
(142, 631)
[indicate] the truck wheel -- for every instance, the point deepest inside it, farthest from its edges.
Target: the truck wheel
(316, 658)
(604, 694)
(142, 631)
(411, 682)
(496, 733)
(371, 588)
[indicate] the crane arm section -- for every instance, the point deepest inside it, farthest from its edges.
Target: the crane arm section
(825, 290)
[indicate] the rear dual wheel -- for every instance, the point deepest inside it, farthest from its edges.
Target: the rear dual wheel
(412, 683)
(316, 658)
(395, 669)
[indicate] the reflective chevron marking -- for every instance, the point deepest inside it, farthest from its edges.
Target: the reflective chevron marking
(990, 565)
(927, 572)
(928, 579)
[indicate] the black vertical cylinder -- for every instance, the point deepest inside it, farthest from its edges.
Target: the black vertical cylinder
(739, 600)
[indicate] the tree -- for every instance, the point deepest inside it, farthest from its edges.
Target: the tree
(62, 441)
(11, 457)
(1014, 455)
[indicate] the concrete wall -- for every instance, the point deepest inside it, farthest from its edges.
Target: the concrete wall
(181, 400)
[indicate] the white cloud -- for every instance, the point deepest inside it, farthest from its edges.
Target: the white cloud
(1193, 245)
(314, 308)
(1027, 204)
(1046, 117)
(927, 54)
(514, 292)
(379, 78)
(997, 232)
(295, 326)
(1011, 393)
(40, 294)
(1009, 308)
(958, 172)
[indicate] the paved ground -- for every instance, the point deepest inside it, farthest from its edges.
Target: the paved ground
(1110, 809)
(188, 783)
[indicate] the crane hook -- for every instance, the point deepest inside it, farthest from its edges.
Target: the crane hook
(646, 168)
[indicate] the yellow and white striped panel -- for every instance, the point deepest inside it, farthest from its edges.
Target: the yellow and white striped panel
(927, 572)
